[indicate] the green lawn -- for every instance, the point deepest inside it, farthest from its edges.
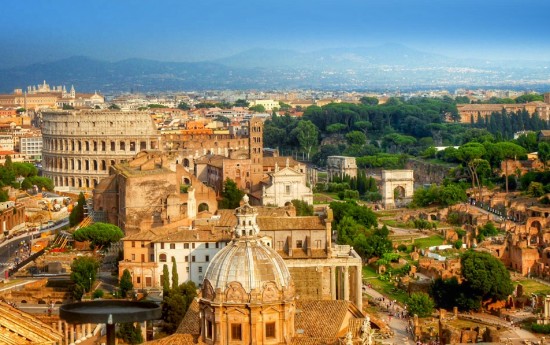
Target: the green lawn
(431, 241)
(385, 287)
(533, 286)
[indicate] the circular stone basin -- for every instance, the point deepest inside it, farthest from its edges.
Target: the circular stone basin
(109, 311)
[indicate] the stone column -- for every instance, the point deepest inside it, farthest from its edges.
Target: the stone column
(333, 282)
(359, 287)
(71, 334)
(89, 331)
(346, 283)
(66, 332)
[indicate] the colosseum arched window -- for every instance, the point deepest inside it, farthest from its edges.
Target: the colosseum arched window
(87, 145)
(103, 165)
(122, 146)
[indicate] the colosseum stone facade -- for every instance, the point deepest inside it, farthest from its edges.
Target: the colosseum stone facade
(79, 146)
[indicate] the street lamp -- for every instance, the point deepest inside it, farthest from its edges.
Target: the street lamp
(90, 289)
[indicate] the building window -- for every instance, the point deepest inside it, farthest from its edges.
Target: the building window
(133, 257)
(152, 245)
(187, 258)
(270, 330)
(299, 244)
(193, 245)
(207, 258)
(161, 245)
(186, 246)
(142, 244)
(217, 245)
(133, 244)
(193, 258)
(206, 245)
(172, 246)
(209, 329)
(152, 256)
(236, 331)
(200, 269)
(138, 280)
(287, 189)
(162, 257)
(187, 269)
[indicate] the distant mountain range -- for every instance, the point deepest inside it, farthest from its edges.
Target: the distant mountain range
(387, 67)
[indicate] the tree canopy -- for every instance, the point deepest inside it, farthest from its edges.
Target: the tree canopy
(231, 195)
(175, 304)
(99, 234)
(83, 275)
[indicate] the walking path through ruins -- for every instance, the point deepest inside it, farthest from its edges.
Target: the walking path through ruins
(510, 335)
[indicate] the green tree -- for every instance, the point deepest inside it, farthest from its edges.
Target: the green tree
(257, 108)
(241, 103)
(307, 135)
(368, 100)
(129, 333)
(125, 285)
(77, 214)
(356, 138)
(421, 304)
(502, 151)
(302, 208)
(486, 276)
(183, 106)
(175, 277)
(175, 304)
(165, 281)
(231, 195)
(99, 234)
(114, 107)
(4, 196)
(83, 274)
(544, 152)
(336, 128)
(535, 189)
(471, 155)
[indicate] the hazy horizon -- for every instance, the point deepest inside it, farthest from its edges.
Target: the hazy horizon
(41, 31)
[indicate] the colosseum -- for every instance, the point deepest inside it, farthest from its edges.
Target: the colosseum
(79, 146)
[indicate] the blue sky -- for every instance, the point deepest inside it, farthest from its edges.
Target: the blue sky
(183, 30)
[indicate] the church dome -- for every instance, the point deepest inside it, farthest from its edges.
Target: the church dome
(247, 266)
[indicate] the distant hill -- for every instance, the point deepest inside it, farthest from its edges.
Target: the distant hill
(389, 66)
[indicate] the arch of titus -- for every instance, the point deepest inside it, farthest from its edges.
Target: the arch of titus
(397, 187)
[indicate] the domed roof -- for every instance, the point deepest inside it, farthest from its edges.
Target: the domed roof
(247, 264)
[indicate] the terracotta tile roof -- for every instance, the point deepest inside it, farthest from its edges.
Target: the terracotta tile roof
(191, 320)
(194, 235)
(298, 340)
(281, 161)
(313, 321)
(290, 223)
(18, 327)
(177, 339)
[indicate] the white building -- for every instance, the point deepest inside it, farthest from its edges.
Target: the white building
(268, 104)
(285, 185)
(31, 146)
(6, 143)
(192, 249)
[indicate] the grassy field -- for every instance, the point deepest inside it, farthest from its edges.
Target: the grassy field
(426, 242)
(532, 286)
(385, 287)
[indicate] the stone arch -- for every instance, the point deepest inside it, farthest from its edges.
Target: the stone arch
(203, 207)
(397, 187)
(186, 162)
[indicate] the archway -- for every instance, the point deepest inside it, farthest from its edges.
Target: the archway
(203, 207)
(397, 187)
